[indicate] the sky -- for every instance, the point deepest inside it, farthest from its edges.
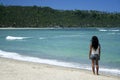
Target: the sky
(99, 5)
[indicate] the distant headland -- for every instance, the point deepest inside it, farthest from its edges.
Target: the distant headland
(44, 17)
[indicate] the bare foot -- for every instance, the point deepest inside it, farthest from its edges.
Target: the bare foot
(97, 74)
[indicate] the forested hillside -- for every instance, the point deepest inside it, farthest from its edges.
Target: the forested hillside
(33, 16)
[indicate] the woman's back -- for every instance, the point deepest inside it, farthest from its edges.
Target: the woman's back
(95, 51)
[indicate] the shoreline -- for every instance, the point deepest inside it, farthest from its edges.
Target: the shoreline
(55, 62)
(57, 28)
(12, 69)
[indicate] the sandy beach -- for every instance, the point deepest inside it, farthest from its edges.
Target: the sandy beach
(20, 70)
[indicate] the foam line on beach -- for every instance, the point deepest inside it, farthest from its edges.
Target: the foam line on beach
(13, 55)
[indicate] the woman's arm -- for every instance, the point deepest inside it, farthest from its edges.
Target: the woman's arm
(90, 51)
(99, 51)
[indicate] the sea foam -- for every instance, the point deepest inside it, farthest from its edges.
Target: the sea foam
(13, 55)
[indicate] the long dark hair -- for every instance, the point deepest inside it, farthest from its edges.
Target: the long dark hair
(95, 42)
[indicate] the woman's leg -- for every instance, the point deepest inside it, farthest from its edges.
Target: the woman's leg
(93, 67)
(97, 67)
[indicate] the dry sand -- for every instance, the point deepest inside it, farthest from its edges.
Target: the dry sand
(20, 70)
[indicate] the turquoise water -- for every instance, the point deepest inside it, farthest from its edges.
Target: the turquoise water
(62, 47)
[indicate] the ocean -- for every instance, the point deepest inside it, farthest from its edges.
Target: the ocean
(62, 47)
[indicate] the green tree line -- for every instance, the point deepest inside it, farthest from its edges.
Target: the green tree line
(34, 16)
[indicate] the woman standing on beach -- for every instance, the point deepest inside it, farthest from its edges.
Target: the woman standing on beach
(94, 54)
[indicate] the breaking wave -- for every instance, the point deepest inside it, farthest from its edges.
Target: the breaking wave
(15, 38)
(104, 30)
